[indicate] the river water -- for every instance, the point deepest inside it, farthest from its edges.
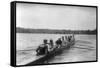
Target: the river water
(83, 50)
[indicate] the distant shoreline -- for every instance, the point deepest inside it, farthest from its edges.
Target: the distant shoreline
(51, 31)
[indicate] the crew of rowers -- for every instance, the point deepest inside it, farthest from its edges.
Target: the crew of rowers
(46, 47)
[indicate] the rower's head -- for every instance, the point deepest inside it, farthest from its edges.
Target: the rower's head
(51, 40)
(45, 41)
(62, 37)
(59, 38)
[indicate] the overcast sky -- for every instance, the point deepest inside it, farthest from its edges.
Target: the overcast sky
(40, 16)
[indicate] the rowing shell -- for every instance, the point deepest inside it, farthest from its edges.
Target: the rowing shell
(41, 59)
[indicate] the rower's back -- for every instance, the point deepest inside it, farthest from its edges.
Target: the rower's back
(43, 48)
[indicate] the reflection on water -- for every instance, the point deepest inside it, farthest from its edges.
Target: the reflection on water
(83, 50)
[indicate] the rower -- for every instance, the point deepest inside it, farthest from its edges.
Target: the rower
(66, 38)
(59, 43)
(73, 37)
(51, 44)
(69, 38)
(43, 48)
(63, 41)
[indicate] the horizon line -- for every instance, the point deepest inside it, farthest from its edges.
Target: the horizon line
(55, 29)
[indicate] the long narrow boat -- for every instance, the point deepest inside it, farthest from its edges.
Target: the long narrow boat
(53, 53)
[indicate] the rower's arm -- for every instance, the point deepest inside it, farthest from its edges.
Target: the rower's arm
(37, 49)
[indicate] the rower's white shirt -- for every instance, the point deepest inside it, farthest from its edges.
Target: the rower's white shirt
(49, 47)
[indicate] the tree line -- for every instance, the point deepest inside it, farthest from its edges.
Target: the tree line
(55, 31)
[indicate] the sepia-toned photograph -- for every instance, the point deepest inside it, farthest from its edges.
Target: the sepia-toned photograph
(52, 34)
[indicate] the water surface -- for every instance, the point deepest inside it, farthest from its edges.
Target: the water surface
(83, 50)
